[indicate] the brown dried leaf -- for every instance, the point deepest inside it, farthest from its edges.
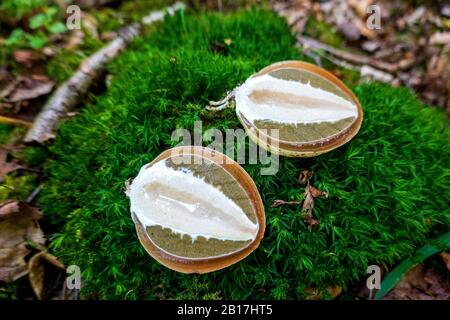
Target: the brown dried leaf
(108, 35)
(308, 199)
(18, 225)
(75, 39)
(27, 57)
(360, 6)
(7, 167)
(90, 24)
(296, 13)
(307, 209)
(313, 293)
(26, 88)
(317, 193)
(45, 274)
(304, 176)
(7, 89)
(349, 30)
(420, 284)
(446, 258)
(278, 202)
(440, 38)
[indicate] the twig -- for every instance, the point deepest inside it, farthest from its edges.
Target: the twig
(33, 194)
(279, 202)
(69, 93)
(14, 121)
(222, 104)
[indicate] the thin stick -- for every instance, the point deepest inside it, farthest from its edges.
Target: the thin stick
(222, 104)
(14, 121)
(66, 97)
(33, 195)
(277, 203)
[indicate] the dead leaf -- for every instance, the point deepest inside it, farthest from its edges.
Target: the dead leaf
(440, 38)
(304, 176)
(27, 87)
(313, 293)
(90, 24)
(18, 225)
(446, 258)
(376, 74)
(370, 46)
(317, 193)
(27, 57)
(50, 51)
(72, 114)
(307, 209)
(308, 199)
(46, 274)
(295, 13)
(349, 30)
(7, 167)
(278, 202)
(360, 6)
(75, 39)
(415, 16)
(420, 284)
(108, 35)
(7, 89)
(445, 10)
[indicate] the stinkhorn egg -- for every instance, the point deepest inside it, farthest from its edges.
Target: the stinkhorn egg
(312, 111)
(196, 210)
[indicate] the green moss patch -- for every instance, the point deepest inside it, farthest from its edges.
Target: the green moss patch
(387, 187)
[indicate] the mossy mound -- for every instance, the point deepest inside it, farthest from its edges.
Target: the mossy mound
(387, 187)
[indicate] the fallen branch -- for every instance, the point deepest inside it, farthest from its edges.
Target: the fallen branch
(366, 71)
(355, 58)
(67, 96)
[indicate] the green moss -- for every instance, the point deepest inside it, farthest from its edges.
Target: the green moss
(33, 156)
(5, 131)
(16, 187)
(323, 32)
(135, 10)
(13, 10)
(66, 62)
(109, 19)
(387, 186)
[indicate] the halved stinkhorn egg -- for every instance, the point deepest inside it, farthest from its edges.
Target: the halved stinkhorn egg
(196, 210)
(297, 109)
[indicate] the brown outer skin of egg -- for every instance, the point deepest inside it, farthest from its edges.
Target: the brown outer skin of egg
(204, 265)
(305, 149)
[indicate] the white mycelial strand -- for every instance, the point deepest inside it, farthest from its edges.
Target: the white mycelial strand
(331, 107)
(175, 199)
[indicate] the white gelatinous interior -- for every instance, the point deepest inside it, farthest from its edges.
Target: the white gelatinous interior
(188, 205)
(304, 103)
